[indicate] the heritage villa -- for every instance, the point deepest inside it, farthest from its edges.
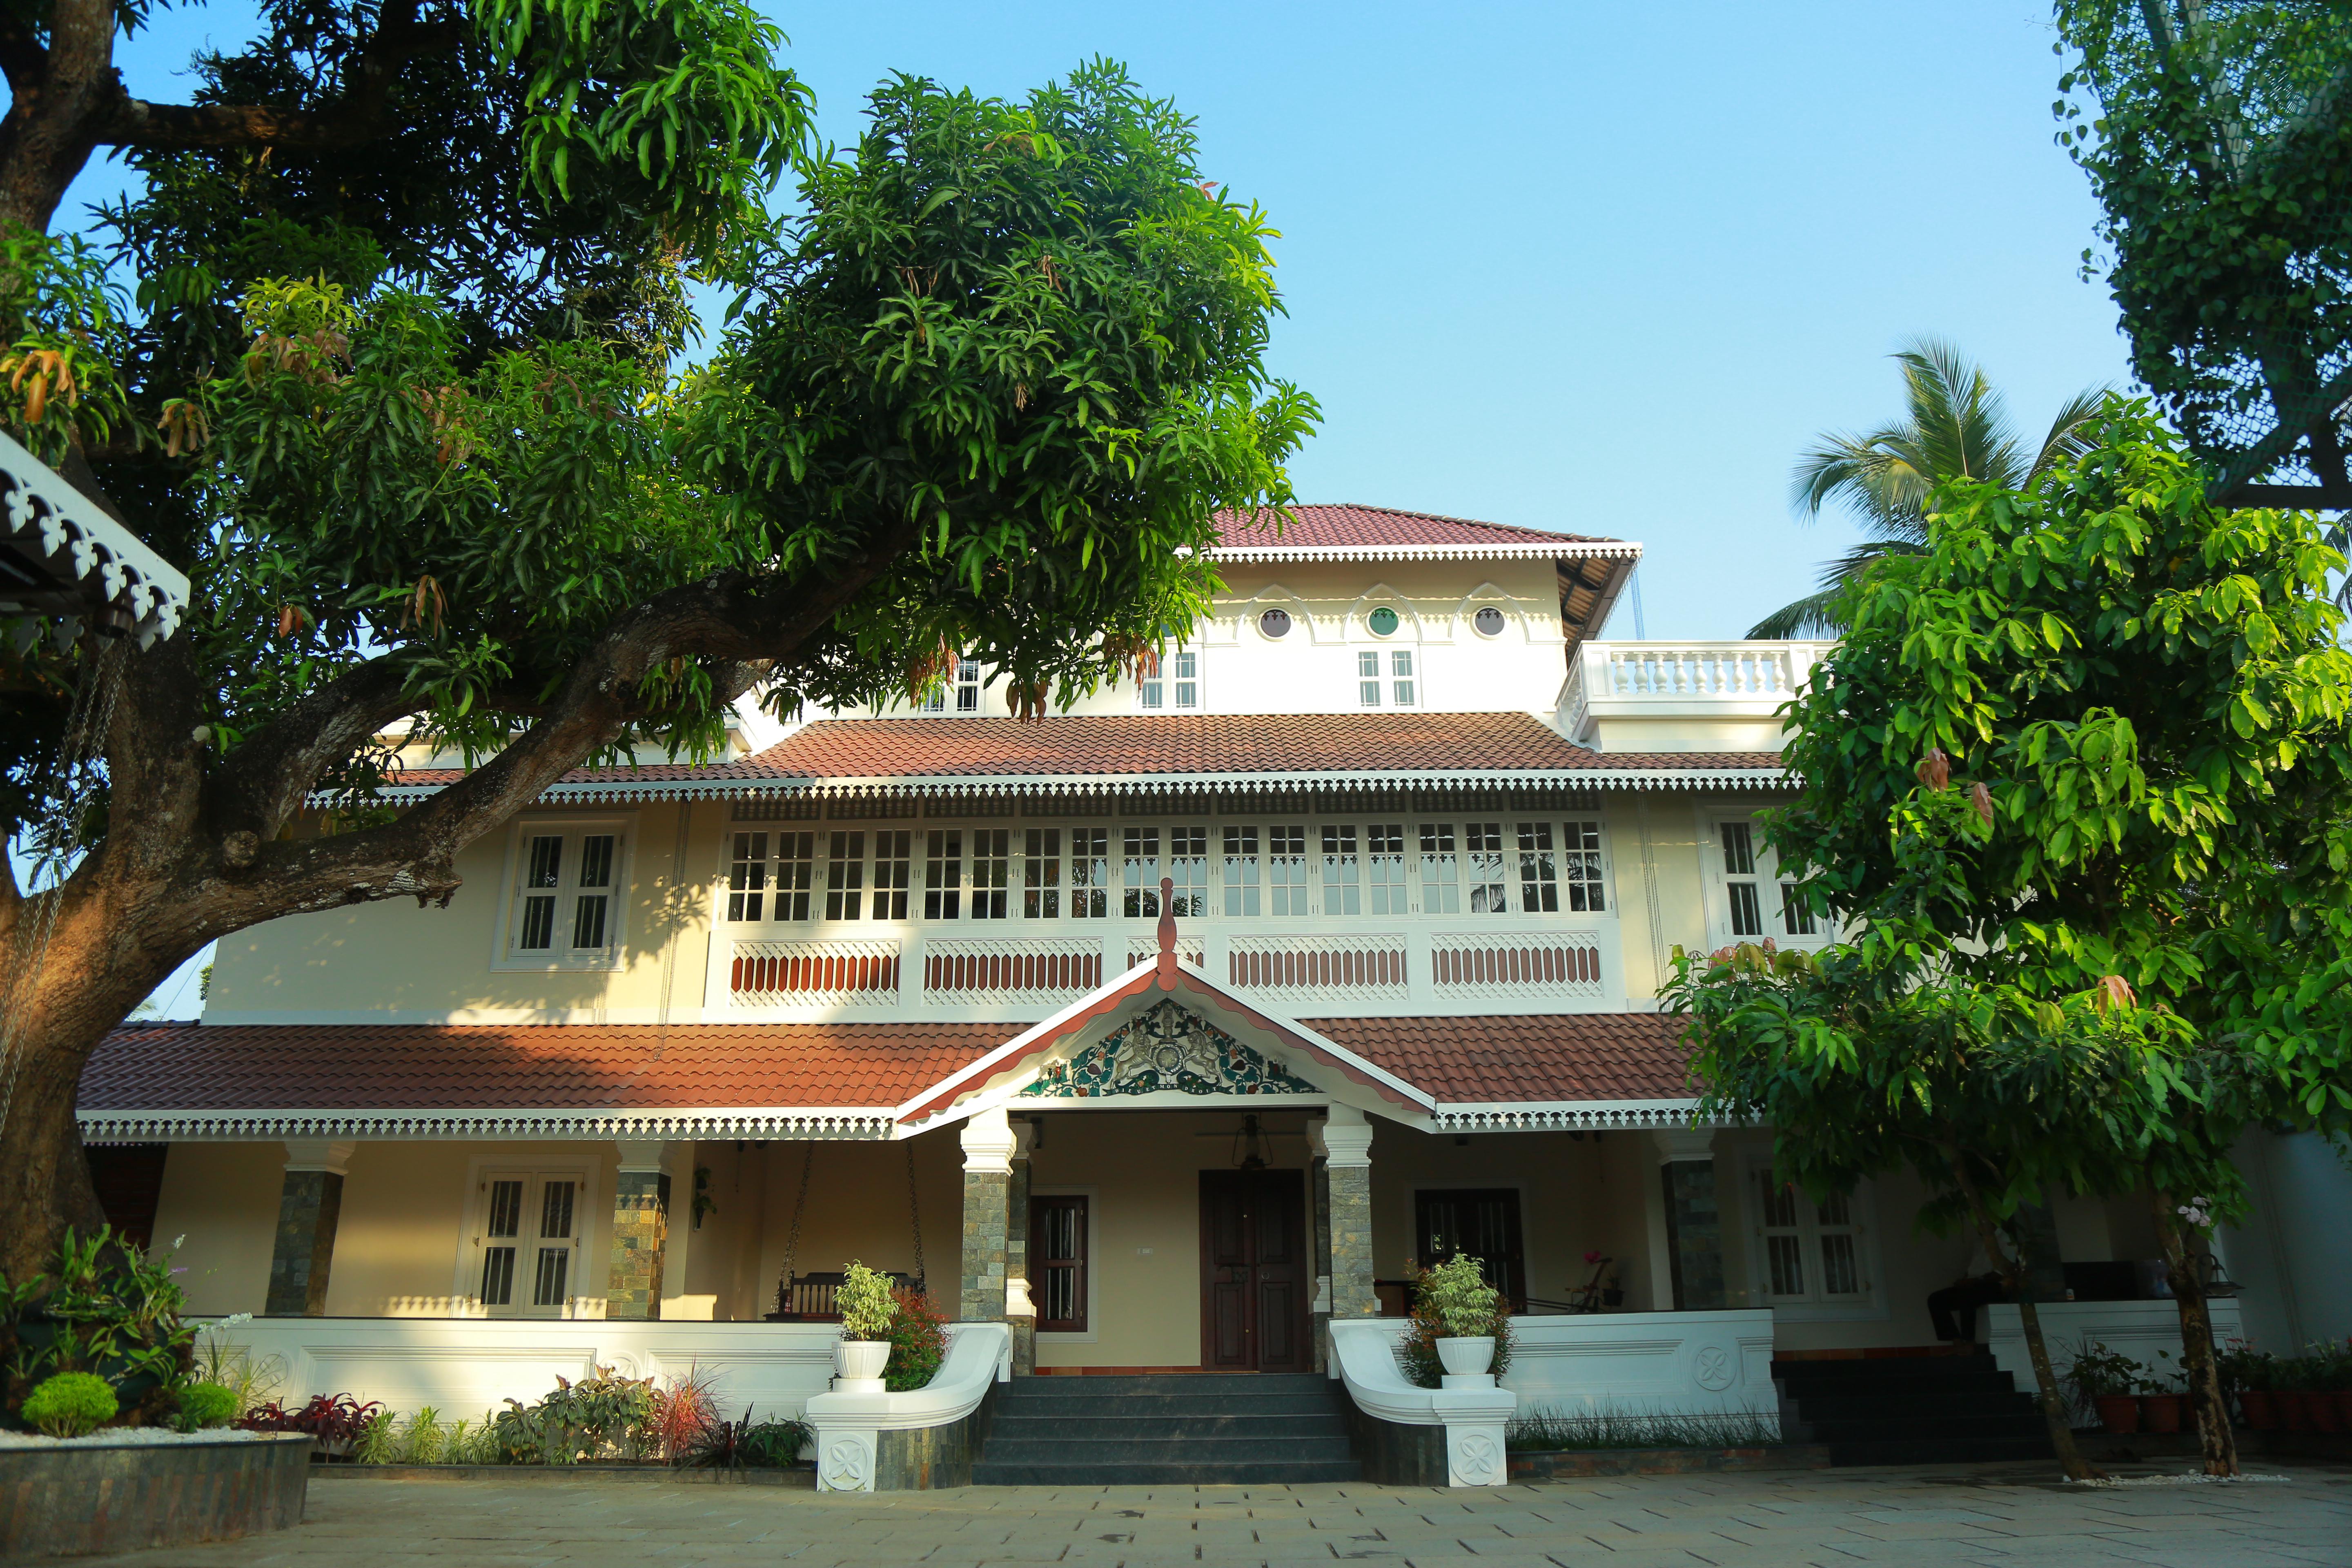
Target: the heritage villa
(1163, 1037)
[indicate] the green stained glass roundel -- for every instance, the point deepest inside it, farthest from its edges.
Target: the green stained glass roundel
(1383, 622)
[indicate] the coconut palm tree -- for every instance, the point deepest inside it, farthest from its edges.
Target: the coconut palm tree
(1954, 426)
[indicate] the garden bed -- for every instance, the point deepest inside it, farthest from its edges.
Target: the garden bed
(128, 1490)
(802, 1476)
(1549, 1464)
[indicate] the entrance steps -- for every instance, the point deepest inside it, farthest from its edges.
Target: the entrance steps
(1909, 1410)
(1182, 1429)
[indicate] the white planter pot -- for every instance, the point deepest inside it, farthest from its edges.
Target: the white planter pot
(1466, 1361)
(861, 1362)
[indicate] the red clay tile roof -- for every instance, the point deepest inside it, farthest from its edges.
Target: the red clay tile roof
(1348, 525)
(1206, 743)
(623, 1067)
(570, 1067)
(1524, 1057)
(1114, 744)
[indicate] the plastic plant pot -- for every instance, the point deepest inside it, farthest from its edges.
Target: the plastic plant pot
(2119, 1414)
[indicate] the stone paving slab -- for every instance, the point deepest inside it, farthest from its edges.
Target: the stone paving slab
(1948, 1516)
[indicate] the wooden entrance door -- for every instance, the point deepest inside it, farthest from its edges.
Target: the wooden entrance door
(1256, 1279)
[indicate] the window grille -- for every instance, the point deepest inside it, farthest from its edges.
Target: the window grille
(1343, 892)
(1041, 873)
(1745, 899)
(942, 874)
(845, 876)
(747, 877)
(1286, 870)
(1368, 679)
(992, 872)
(1141, 872)
(1400, 685)
(1483, 844)
(1240, 872)
(1188, 677)
(1538, 873)
(1187, 868)
(1579, 867)
(893, 860)
(1441, 870)
(1152, 689)
(1384, 867)
(1089, 873)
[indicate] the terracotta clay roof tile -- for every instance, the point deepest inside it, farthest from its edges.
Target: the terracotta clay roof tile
(1348, 524)
(632, 1066)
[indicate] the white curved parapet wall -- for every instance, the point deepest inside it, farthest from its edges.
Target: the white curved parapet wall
(1363, 1353)
(1649, 1364)
(66, 536)
(849, 1426)
(463, 1366)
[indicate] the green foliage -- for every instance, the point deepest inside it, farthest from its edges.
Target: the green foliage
(1457, 1292)
(1416, 1353)
(204, 1404)
(105, 1309)
(1544, 1430)
(600, 1417)
(2221, 151)
(1954, 426)
(918, 1342)
(71, 1403)
(220, 1359)
(423, 1440)
(865, 1303)
(2097, 1373)
(378, 1442)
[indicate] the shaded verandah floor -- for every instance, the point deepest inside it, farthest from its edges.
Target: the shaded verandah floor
(2002, 1516)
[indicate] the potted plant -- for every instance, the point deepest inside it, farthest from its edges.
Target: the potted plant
(867, 1309)
(2330, 1374)
(2160, 1402)
(2107, 1381)
(1458, 1294)
(2249, 1373)
(2295, 1374)
(2339, 1359)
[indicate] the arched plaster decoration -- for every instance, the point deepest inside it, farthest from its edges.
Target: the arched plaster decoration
(1274, 595)
(1518, 614)
(1411, 627)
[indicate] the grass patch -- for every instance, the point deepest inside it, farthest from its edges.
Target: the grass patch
(1553, 1431)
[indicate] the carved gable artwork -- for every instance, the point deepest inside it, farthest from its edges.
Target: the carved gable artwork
(1164, 1049)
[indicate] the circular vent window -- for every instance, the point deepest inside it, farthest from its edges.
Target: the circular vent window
(1383, 622)
(1489, 622)
(1275, 623)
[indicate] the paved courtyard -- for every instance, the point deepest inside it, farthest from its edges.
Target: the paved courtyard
(1990, 1515)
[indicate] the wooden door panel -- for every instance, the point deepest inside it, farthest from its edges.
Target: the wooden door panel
(1254, 1276)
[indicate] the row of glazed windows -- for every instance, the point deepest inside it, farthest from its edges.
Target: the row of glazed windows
(1281, 871)
(1173, 680)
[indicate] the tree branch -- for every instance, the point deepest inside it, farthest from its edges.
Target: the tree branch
(22, 57)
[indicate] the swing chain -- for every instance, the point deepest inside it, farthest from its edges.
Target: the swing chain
(792, 1240)
(915, 1218)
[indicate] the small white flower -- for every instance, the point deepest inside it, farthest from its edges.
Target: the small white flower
(178, 1240)
(234, 1319)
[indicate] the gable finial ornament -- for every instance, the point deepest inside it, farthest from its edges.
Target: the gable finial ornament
(1167, 961)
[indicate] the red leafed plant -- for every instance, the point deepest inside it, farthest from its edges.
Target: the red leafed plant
(329, 1417)
(683, 1416)
(918, 1342)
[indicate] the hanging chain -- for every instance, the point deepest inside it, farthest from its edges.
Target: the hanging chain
(915, 1217)
(792, 1240)
(83, 742)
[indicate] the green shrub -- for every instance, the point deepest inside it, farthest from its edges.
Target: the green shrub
(864, 1302)
(596, 1417)
(1457, 1291)
(106, 1307)
(1416, 1353)
(379, 1441)
(423, 1440)
(205, 1404)
(71, 1403)
(918, 1342)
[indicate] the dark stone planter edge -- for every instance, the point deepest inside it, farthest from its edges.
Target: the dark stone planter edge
(800, 1476)
(1546, 1464)
(87, 1500)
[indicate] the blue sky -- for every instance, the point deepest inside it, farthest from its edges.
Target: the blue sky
(1599, 268)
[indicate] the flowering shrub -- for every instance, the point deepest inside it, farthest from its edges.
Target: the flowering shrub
(918, 1342)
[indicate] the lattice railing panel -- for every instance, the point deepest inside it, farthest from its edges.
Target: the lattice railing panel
(781, 973)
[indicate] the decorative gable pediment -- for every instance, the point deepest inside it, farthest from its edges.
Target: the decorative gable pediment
(1164, 1049)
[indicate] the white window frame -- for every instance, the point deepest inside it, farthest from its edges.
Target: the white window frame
(587, 1236)
(1094, 1265)
(513, 959)
(1810, 1306)
(1771, 914)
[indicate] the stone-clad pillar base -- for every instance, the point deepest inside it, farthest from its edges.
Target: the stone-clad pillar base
(633, 1288)
(1019, 1310)
(988, 1146)
(310, 1207)
(1694, 1219)
(1344, 1139)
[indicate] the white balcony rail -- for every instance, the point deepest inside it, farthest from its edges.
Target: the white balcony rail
(1566, 964)
(1037, 969)
(1307, 967)
(1629, 678)
(1188, 951)
(784, 973)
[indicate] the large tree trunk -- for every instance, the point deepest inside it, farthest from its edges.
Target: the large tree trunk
(2052, 1401)
(2216, 1440)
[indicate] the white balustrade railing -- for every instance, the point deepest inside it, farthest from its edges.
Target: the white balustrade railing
(1012, 970)
(1561, 963)
(1188, 951)
(785, 974)
(1371, 965)
(1759, 669)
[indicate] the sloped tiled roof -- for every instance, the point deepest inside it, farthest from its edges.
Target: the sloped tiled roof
(1139, 746)
(576, 1069)
(1524, 1057)
(567, 1066)
(1191, 743)
(1348, 529)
